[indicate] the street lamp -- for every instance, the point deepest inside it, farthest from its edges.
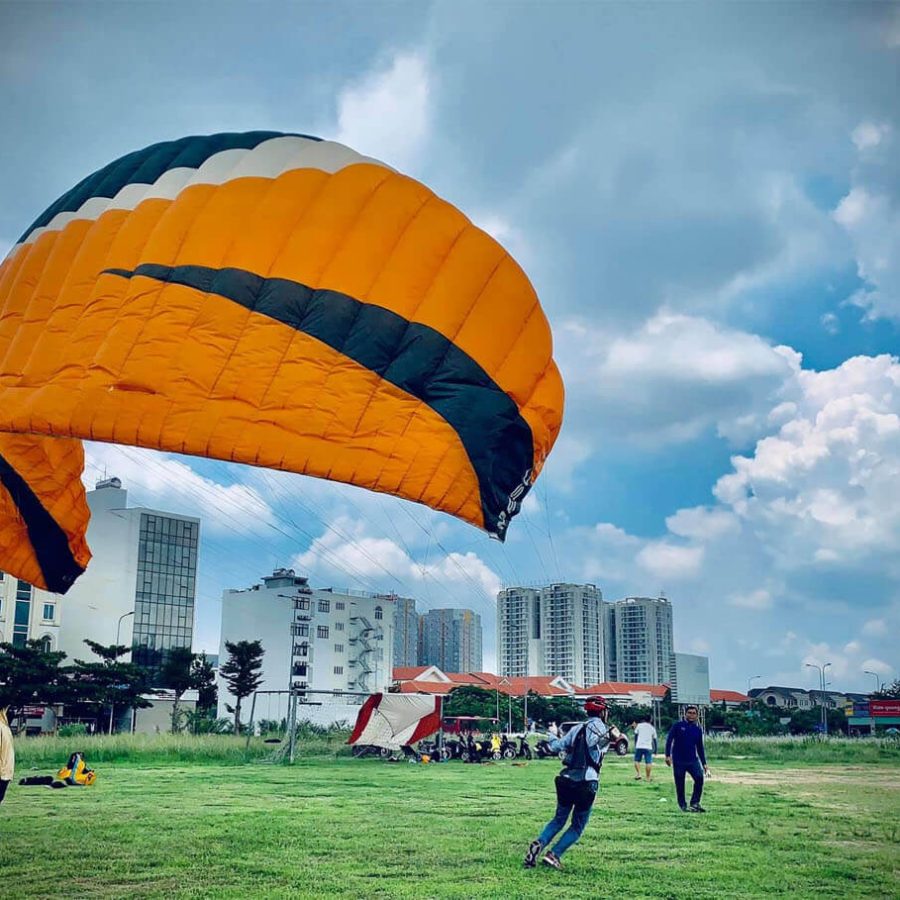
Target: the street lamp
(875, 676)
(119, 625)
(750, 681)
(112, 704)
(821, 671)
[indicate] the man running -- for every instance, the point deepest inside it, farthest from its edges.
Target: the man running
(684, 752)
(576, 785)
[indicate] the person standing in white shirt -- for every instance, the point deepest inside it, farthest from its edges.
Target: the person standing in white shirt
(644, 747)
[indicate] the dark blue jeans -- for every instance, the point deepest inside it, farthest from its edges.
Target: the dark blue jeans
(695, 770)
(570, 795)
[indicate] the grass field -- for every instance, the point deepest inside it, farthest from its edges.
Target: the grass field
(364, 828)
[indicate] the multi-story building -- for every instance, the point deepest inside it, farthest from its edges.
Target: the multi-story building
(451, 640)
(643, 640)
(319, 642)
(140, 587)
(27, 613)
(571, 632)
(406, 632)
(519, 649)
(554, 630)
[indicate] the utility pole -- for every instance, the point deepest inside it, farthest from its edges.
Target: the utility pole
(750, 681)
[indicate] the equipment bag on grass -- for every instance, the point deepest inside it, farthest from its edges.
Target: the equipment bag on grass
(75, 771)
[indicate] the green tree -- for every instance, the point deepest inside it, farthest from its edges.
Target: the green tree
(205, 682)
(110, 683)
(31, 675)
(177, 676)
(888, 691)
(241, 672)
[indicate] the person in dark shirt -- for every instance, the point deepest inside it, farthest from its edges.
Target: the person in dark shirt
(686, 756)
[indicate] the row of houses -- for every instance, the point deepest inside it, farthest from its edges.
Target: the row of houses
(798, 698)
(431, 680)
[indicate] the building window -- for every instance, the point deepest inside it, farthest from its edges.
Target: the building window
(49, 611)
(339, 605)
(338, 648)
(301, 649)
(46, 643)
(322, 631)
(301, 629)
(302, 603)
(324, 606)
(378, 613)
(338, 626)
(338, 670)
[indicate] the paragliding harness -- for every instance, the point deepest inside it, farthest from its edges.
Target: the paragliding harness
(74, 772)
(578, 758)
(574, 789)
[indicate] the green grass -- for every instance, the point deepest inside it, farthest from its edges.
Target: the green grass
(363, 828)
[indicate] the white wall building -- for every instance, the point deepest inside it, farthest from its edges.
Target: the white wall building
(324, 642)
(519, 649)
(554, 630)
(27, 613)
(643, 640)
(140, 585)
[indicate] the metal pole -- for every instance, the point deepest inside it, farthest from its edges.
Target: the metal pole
(824, 700)
(250, 729)
(877, 688)
(112, 704)
(293, 720)
(750, 681)
(819, 670)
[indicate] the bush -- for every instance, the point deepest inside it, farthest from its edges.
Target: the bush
(75, 729)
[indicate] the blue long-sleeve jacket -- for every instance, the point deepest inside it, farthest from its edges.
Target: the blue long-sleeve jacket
(684, 743)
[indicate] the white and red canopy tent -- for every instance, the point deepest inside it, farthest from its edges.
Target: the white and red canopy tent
(395, 720)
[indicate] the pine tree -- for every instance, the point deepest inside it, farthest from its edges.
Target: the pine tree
(241, 672)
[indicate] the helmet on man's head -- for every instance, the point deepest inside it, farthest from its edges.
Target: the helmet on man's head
(595, 706)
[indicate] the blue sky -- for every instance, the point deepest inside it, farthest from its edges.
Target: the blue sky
(707, 199)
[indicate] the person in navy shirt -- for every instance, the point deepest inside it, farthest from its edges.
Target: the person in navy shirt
(686, 756)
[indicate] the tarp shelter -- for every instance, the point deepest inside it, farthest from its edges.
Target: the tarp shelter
(396, 720)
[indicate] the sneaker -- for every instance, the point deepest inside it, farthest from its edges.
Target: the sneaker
(683, 808)
(534, 850)
(696, 807)
(552, 860)
(637, 778)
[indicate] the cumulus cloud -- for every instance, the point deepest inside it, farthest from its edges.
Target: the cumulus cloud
(670, 561)
(387, 113)
(350, 550)
(163, 481)
(673, 378)
(758, 599)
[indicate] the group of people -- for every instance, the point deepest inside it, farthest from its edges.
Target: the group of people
(578, 782)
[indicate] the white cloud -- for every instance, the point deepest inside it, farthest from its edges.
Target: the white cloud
(876, 665)
(387, 113)
(162, 481)
(670, 561)
(869, 134)
(830, 323)
(758, 599)
(875, 628)
(671, 379)
(348, 550)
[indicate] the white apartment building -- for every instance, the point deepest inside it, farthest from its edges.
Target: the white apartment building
(554, 630)
(28, 613)
(322, 642)
(642, 635)
(519, 649)
(139, 588)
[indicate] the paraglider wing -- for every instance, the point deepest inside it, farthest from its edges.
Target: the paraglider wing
(269, 299)
(396, 720)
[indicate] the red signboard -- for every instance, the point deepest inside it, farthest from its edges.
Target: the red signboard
(884, 708)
